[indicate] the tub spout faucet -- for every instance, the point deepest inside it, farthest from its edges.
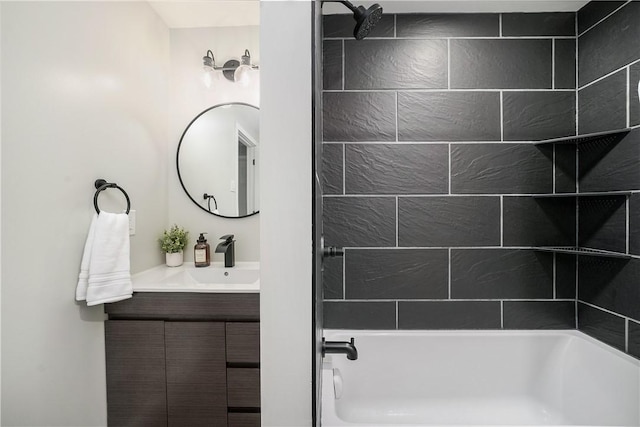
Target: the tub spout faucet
(227, 248)
(348, 348)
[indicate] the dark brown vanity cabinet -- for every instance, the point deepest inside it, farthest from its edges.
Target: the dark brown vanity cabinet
(183, 359)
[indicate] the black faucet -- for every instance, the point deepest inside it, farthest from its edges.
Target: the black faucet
(348, 348)
(227, 248)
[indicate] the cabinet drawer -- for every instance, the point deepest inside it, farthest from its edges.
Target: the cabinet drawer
(243, 342)
(243, 387)
(237, 419)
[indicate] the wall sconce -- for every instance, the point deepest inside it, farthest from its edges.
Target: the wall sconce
(233, 70)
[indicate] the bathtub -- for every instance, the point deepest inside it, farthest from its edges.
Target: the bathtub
(471, 378)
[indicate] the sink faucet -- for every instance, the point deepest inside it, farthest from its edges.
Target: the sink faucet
(347, 348)
(227, 248)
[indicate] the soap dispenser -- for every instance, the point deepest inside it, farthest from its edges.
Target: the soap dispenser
(202, 252)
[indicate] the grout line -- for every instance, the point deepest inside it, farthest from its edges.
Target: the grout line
(397, 132)
(344, 53)
(425, 195)
(577, 76)
(608, 75)
(555, 283)
(627, 203)
(500, 23)
(553, 172)
(397, 309)
(344, 169)
(445, 90)
(628, 96)
(602, 309)
(395, 25)
(448, 142)
(600, 21)
(449, 169)
(501, 116)
(448, 63)
(449, 300)
(501, 314)
(397, 223)
(577, 280)
(344, 277)
(449, 279)
(553, 63)
(626, 335)
(501, 221)
(456, 38)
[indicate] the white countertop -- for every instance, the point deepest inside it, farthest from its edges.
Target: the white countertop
(242, 278)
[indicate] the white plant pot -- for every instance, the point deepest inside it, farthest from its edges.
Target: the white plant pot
(175, 259)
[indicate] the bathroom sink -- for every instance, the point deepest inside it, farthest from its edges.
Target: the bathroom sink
(243, 277)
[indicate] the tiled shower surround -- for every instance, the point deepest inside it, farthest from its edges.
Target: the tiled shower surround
(429, 171)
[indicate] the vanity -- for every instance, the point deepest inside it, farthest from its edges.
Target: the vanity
(185, 350)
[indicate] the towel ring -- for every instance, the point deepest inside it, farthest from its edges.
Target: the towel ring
(100, 185)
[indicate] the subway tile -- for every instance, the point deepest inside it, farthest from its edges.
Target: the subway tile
(332, 278)
(332, 168)
(501, 64)
(396, 273)
(359, 315)
(611, 164)
(359, 221)
(539, 315)
(603, 105)
(539, 24)
(397, 169)
(448, 221)
(353, 116)
(533, 116)
(634, 339)
(538, 222)
(611, 283)
(501, 274)
(594, 11)
(342, 25)
(634, 95)
(611, 44)
(603, 223)
(501, 168)
(395, 64)
(449, 116)
(601, 325)
(449, 315)
(448, 25)
(565, 168)
(566, 266)
(634, 224)
(332, 64)
(565, 63)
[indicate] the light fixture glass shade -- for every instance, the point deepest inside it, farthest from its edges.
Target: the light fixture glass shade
(242, 75)
(208, 77)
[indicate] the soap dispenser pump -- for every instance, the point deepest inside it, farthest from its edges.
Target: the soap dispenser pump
(202, 252)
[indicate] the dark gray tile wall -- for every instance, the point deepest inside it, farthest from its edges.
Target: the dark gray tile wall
(429, 172)
(608, 74)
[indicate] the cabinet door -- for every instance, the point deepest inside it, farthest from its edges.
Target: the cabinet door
(136, 381)
(196, 374)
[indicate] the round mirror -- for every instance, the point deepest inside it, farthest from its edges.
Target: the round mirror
(218, 160)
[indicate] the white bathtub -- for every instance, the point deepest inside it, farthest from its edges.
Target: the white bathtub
(471, 378)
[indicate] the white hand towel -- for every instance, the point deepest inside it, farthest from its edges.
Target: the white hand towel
(83, 277)
(109, 276)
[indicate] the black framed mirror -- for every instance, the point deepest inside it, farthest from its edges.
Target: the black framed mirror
(218, 160)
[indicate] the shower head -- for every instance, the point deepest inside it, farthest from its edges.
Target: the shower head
(366, 19)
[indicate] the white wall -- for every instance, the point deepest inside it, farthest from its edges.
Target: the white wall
(286, 214)
(189, 97)
(84, 96)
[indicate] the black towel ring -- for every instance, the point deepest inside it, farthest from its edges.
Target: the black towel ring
(100, 185)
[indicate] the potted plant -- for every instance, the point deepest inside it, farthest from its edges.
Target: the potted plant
(172, 243)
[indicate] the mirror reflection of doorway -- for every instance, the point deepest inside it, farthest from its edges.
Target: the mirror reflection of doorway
(247, 173)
